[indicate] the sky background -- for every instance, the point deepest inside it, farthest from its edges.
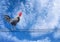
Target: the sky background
(40, 20)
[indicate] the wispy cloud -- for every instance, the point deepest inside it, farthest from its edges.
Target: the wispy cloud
(39, 26)
(8, 37)
(46, 25)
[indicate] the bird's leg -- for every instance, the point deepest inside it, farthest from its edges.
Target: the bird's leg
(13, 28)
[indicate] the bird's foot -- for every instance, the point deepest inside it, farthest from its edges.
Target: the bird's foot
(13, 29)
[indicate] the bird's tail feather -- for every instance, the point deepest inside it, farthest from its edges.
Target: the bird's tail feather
(7, 18)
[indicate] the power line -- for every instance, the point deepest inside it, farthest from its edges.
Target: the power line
(21, 30)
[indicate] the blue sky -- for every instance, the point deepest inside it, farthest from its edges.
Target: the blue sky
(40, 20)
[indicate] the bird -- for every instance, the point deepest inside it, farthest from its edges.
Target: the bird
(13, 21)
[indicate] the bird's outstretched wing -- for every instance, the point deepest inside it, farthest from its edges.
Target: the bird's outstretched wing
(7, 18)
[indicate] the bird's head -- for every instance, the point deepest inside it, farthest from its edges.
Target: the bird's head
(20, 14)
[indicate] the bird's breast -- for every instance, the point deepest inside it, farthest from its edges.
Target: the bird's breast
(14, 21)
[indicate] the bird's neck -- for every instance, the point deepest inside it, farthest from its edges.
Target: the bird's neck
(18, 18)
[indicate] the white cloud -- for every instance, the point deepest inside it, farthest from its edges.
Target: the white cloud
(25, 40)
(43, 40)
(56, 11)
(56, 34)
(15, 39)
(26, 18)
(43, 26)
(43, 3)
(8, 36)
(47, 25)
